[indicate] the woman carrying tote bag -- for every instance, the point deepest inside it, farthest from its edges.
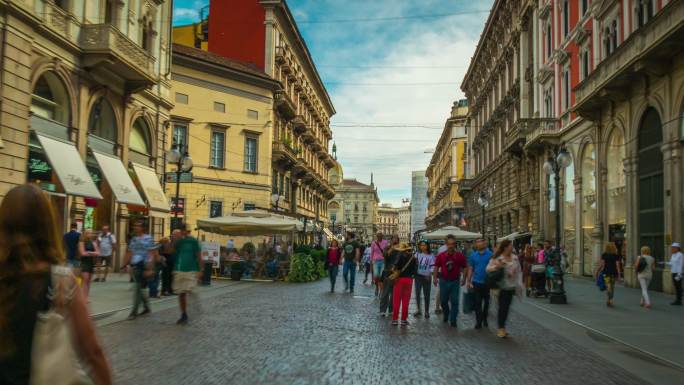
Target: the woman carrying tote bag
(46, 335)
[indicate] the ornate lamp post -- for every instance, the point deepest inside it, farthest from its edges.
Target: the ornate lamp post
(559, 160)
(178, 156)
(483, 202)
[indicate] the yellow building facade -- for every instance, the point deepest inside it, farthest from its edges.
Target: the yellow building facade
(222, 117)
(447, 168)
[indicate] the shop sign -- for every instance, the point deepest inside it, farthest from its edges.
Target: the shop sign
(179, 208)
(38, 167)
(211, 251)
(185, 177)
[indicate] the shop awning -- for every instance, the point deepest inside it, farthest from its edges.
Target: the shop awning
(69, 167)
(460, 235)
(328, 233)
(118, 179)
(156, 199)
(513, 236)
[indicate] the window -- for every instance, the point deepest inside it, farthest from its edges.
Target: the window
(252, 114)
(549, 44)
(566, 89)
(109, 12)
(249, 206)
(219, 107)
(146, 39)
(584, 7)
(215, 209)
(181, 98)
(287, 188)
(585, 64)
(274, 183)
(180, 135)
(566, 18)
(281, 184)
(644, 11)
(250, 154)
(102, 120)
(218, 149)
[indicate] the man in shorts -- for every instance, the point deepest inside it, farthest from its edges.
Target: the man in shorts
(107, 242)
(188, 259)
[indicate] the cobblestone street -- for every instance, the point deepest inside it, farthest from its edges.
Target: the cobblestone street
(301, 334)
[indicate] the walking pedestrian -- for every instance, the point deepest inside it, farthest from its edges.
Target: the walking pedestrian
(510, 284)
(447, 272)
(644, 266)
(351, 254)
(333, 259)
(423, 281)
(378, 247)
(406, 268)
(477, 281)
(547, 258)
(188, 256)
(154, 280)
(168, 262)
(366, 264)
(438, 298)
(610, 266)
(676, 261)
(33, 285)
(528, 261)
(88, 252)
(106, 241)
(70, 241)
(391, 255)
(138, 257)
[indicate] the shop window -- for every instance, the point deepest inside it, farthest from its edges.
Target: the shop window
(219, 107)
(251, 146)
(50, 100)
(215, 209)
(181, 98)
(218, 149)
(102, 120)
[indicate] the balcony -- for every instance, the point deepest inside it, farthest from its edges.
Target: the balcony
(105, 47)
(539, 132)
(298, 124)
(465, 186)
(330, 161)
(308, 136)
(284, 154)
(284, 104)
(280, 55)
(515, 139)
(649, 50)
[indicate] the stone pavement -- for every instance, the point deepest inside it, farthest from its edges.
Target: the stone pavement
(279, 333)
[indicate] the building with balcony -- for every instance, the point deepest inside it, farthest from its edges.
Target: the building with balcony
(354, 206)
(419, 201)
(263, 34)
(388, 220)
(404, 224)
(446, 169)
(84, 102)
(602, 79)
(221, 119)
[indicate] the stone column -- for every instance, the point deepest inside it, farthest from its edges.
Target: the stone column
(671, 158)
(632, 203)
(579, 237)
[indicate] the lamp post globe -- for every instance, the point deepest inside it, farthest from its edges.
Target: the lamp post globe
(173, 155)
(187, 163)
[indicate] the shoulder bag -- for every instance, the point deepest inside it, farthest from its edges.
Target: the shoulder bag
(641, 266)
(394, 275)
(53, 356)
(495, 277)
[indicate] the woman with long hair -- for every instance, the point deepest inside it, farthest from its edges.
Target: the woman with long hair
(610, 266)
(510, 284)
(30, 257)
(644, 266)
(88, 250)
(423, 281)
(333, 261)
(528, 261)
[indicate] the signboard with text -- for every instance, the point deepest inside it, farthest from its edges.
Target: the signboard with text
(211, 251)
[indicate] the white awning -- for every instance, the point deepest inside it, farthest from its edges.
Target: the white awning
(156, 199)
(329, 233)
(118, 179)
(69, 167)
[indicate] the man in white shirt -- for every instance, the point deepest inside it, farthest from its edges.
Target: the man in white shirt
(676, 261)
(107, 242)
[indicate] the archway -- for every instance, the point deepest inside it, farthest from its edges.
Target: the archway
(568, 213)
(616, 196)
(50, 99)
(102, 121)
(651, 217)
(588, 207)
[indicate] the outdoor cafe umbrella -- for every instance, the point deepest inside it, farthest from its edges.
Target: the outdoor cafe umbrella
(249, 223)
(460, 235)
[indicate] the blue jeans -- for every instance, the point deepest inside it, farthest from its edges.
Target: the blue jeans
(154, 282)
(332, 274)
(349, 274)
(378, 267)
(449, 293)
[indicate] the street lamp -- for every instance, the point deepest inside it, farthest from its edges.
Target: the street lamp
(178, 156)
(277, 200)
(559, 160)
(483, 202)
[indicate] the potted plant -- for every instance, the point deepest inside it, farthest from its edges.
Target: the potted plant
(236, 270)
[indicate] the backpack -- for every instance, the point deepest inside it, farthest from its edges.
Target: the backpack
(643, 263)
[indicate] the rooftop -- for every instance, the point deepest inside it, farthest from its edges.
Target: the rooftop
(225, 62)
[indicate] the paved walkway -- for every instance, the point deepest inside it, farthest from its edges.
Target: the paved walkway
(658, 331)
(281, 333)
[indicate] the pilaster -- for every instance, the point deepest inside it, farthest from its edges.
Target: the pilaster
(631, 234)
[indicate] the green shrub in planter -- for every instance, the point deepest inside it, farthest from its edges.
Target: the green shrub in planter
(322, 270)
(319, 255)
(302, 269)
(303, 249)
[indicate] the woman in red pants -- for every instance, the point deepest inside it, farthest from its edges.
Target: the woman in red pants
(403, 286)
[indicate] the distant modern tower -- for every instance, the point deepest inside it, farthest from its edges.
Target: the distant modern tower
(419, 201)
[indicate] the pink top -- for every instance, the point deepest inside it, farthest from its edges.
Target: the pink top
(377, 249)
(540, 256)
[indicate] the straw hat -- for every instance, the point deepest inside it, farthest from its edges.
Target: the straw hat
(403, 246)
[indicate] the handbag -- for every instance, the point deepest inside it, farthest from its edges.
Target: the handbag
(494, 277)
(53, 356)
(468, 302)
(642, 265)
(394, 275)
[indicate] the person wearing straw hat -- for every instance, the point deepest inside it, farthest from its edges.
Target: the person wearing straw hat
(676, 261)
(405, 270)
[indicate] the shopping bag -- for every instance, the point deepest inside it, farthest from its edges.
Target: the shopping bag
(601, 281)
(468, 302)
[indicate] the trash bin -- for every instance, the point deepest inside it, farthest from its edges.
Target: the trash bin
(206, 273)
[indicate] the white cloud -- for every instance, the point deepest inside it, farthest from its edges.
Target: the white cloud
(188, 14)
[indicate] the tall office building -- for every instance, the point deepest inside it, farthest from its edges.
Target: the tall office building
(419, 201)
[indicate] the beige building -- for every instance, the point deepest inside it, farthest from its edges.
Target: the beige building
(354, 206)
(222, 118)
(84, 99)
(404, 224)
(447, 168)
(388, 220)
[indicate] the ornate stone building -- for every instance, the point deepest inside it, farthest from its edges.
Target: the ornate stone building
(603, 79)
(354, 206)
(446, 169)
(84, 102)
(388, 220)
(404, 225)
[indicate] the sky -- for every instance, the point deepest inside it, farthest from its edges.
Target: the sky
(393, 68)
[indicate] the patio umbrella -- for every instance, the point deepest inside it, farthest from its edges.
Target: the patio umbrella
(250, 222)
(460, 235)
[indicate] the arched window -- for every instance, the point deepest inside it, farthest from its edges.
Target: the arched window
(102, 121)
(588, 205)
(617, 212)
(139, 139)
(50, 100)
(569, 219)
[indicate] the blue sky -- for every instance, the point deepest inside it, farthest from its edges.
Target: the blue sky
(392, 82)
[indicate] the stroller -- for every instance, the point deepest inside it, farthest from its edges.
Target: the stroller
(538, 281)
